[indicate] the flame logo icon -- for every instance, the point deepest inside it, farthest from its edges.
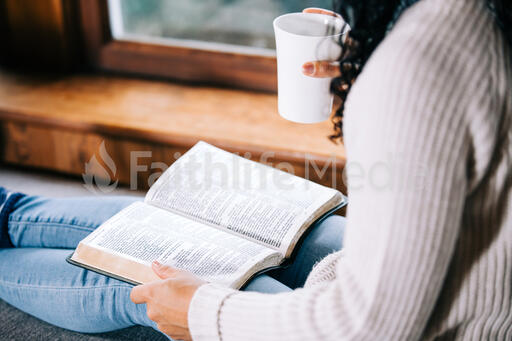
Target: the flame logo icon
(96, 177)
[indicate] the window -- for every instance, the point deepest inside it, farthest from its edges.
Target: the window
(229, 42)
(226, 25)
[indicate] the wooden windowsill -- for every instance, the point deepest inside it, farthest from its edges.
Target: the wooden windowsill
(164, 113)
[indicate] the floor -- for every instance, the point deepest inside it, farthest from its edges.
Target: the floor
(51, 184)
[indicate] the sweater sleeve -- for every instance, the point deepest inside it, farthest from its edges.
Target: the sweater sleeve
(325, 270)
(407, 147)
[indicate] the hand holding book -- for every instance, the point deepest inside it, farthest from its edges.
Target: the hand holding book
(176, 286)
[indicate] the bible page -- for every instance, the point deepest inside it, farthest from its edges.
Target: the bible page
(244, 197)
(144, 233)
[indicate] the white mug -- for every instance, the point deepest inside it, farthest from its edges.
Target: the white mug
(301, 38)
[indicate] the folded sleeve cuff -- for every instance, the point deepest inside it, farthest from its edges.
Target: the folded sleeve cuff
(203, 313)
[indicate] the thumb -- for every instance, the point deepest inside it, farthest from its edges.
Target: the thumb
(163, 271)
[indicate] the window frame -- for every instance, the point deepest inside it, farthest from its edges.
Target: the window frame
(253, 72)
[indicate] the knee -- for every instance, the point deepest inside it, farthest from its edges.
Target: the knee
(327, 235)
(266, 284)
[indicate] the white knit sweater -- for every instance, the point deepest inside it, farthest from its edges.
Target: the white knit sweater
(428, 245)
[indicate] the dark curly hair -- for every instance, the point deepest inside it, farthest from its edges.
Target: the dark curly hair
(369, 21)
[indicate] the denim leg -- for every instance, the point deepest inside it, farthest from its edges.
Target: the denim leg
(265, 284)
(8, 200)
(40, 282)
(324, 238)
(37, 279)
(60, 222)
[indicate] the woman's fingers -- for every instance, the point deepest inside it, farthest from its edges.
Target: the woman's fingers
(168, 300)
(321, 11)
(321, 69)
(163, 271)
(138, 295)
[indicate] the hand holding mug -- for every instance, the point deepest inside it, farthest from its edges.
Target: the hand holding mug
(321, 68)
(307, 43)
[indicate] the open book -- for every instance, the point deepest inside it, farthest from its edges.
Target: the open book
(213, 213)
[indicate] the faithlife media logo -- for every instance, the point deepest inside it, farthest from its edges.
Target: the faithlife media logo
(99, 176)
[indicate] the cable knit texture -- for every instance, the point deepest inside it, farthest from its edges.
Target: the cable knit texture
(428, 244)
(325, 270)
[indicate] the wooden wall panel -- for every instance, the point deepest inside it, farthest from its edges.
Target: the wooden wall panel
(25, 144)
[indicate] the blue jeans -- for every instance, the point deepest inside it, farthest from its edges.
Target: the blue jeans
(35, 277)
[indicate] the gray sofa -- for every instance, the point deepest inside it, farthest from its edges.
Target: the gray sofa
(16, 325)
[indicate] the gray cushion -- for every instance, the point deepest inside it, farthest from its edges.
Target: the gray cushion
(17, 325)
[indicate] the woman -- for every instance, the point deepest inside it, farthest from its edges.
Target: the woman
(428, 249)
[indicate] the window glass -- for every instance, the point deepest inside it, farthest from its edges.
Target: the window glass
(239, 25)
